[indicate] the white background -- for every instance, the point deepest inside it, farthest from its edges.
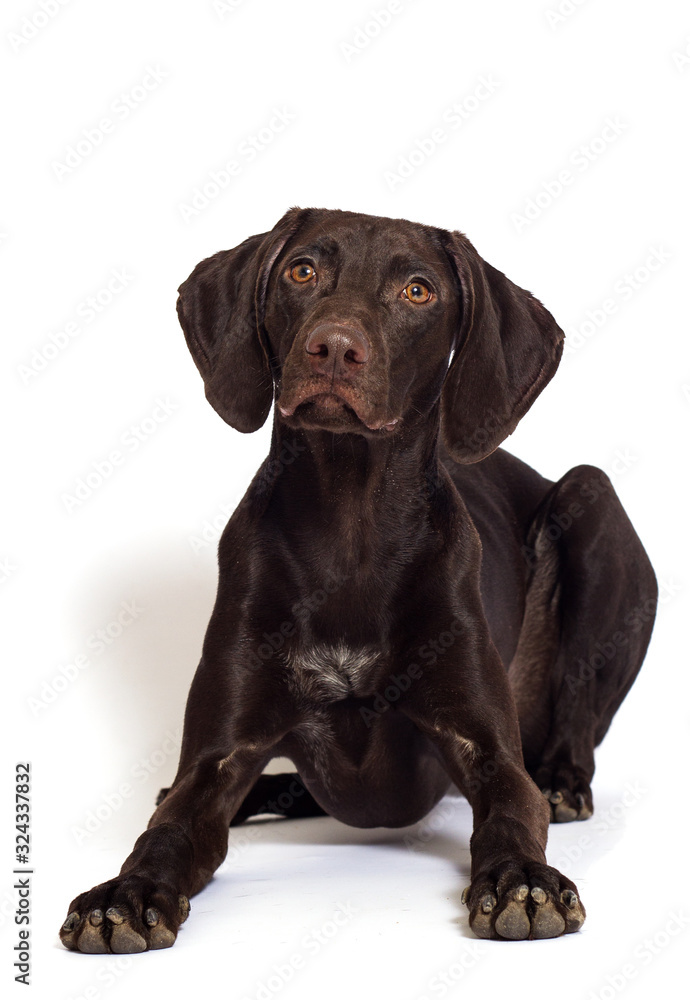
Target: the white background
(621, 400)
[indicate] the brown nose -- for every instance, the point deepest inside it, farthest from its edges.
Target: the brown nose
(337, 351)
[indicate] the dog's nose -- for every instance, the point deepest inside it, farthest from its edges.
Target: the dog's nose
(337, 350)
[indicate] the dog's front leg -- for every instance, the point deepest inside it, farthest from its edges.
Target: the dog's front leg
(464, 705)
(186, 840)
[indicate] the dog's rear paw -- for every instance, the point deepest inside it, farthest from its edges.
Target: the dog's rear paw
(517, 901)
(567, 790)
(126, 915)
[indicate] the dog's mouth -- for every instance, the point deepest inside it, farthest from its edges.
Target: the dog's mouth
(332, 411)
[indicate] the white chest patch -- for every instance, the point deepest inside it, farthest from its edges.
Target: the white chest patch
(325, 672)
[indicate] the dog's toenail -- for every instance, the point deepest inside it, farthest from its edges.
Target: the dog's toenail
(71, 921)
(538, 895)
(114, 915)
(151, 917)
(96, 918)
(488, 902)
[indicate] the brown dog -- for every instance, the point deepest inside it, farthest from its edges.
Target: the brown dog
(400, 605)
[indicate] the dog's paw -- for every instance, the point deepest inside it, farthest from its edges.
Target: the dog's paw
(567, 791)
(126, 915)
(516, 901)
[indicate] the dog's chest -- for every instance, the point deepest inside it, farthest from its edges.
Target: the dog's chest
(325, 672)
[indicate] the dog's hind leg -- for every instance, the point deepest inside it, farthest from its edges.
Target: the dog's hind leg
(273, 795)
(279, 795)
(588, 619)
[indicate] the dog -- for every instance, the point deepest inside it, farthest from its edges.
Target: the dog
(402, 605)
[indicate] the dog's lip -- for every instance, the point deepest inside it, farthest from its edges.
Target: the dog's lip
(332, 401)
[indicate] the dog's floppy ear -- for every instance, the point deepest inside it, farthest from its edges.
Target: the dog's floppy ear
(507, 350)
(220, 307)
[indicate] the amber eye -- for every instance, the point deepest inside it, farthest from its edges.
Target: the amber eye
(302, 273)
(416, 292)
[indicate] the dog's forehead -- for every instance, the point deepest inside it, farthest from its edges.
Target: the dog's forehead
(376, 239)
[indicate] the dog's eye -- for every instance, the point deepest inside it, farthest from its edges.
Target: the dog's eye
(302, 273)
(416, 292)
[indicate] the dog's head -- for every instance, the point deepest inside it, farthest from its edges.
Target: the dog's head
(360, 325)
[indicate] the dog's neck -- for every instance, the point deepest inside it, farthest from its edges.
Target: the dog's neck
(351, 480)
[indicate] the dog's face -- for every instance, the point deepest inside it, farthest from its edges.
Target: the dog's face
(361, 315)
(352, 321)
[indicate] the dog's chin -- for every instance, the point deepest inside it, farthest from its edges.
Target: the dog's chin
(328, 411)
